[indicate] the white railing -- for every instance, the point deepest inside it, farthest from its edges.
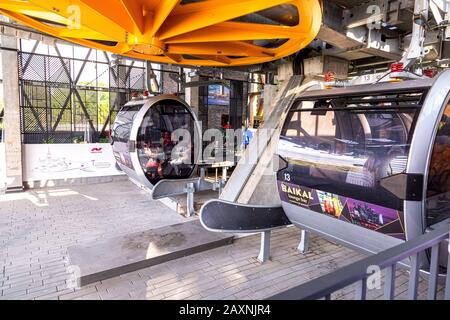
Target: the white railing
(357, 273)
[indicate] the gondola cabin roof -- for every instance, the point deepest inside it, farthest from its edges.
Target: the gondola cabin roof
(369, 89)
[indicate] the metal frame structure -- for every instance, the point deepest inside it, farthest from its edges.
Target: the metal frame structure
(56, 108)
(178, 32)
(169, 188)
(239, 179)
(357, 273)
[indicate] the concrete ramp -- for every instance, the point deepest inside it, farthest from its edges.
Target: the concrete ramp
(253, 180)
(104, 259)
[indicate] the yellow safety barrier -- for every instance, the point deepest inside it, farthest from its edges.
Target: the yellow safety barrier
(189, 32)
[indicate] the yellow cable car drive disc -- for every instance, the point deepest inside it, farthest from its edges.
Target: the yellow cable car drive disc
(189, 32)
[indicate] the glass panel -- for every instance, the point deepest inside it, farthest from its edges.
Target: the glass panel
(438, 193)
(124, 122)
(348, 151)
(161, 153)
(121, 131)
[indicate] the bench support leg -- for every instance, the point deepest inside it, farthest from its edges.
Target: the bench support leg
(202, 173)
(190, 200)
(264, 252)
(303, 246)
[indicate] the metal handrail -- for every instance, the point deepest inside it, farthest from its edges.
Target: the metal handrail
(357, 272)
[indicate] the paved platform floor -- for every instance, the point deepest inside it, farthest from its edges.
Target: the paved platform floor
(37, 226)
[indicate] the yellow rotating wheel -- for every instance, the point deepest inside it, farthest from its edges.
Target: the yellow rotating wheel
(189, 32)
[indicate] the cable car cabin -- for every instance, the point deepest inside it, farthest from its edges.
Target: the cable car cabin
(368, 166)
(153, 139)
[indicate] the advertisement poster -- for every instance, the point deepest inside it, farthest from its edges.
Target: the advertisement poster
(68, 161)
(218, 95)
(363, 214)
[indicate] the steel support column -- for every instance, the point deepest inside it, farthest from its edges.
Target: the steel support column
(12, 136)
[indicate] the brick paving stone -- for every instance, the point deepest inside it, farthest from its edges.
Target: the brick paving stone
(35, 234)
(34, 238)
(178, 296)
(78, 293)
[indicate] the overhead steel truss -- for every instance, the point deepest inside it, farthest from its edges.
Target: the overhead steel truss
(56, 107)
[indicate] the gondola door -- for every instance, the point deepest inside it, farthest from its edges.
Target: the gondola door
(437, 195)
(437, 204)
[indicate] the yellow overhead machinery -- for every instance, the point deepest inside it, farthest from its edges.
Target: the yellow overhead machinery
(189, 32)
